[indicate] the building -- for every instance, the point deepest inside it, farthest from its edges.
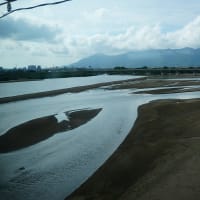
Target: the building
(32, 68)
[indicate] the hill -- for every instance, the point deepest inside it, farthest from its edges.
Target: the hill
(188, 57)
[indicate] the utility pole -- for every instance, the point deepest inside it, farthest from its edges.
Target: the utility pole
(8, 2)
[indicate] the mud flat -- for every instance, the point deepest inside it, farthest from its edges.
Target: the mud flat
(159, 159)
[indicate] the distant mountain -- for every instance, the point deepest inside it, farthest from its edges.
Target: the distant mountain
(152, 58)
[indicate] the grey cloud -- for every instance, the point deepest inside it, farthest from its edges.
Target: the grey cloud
(24, 31)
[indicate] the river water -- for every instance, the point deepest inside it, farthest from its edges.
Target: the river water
(57, 166)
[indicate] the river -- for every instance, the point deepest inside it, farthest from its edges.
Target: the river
(55, 167)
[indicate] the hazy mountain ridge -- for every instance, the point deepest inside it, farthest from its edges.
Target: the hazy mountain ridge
(153, 58)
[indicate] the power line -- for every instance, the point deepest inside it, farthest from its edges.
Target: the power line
(31, 7)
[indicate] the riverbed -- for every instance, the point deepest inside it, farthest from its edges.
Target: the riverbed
(55, 167)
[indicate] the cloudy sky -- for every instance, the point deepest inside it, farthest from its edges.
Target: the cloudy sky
(62, 34)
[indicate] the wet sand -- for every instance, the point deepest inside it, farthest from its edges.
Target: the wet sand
(159, 159)
(40, 129)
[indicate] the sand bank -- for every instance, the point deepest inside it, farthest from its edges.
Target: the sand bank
(40, 129)
(155, 83)
(168, 90)
(159, 159)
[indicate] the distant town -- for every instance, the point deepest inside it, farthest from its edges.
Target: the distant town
(37, 72)
(33, 68)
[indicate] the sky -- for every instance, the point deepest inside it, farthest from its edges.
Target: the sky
(62, 34)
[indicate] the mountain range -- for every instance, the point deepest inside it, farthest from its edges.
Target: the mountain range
(185, 57)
